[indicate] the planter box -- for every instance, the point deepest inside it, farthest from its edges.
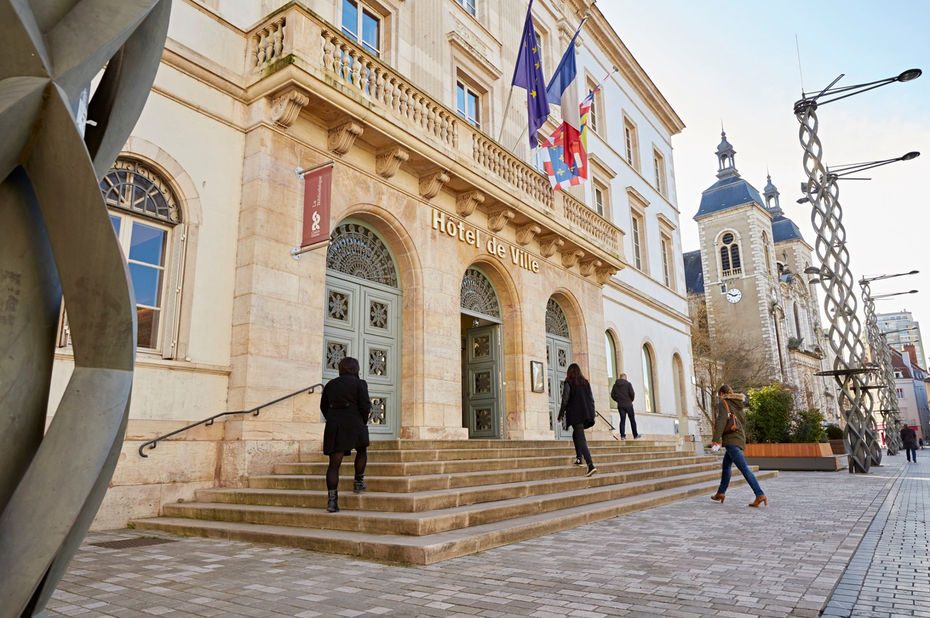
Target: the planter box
(838, 446)
(802, 449)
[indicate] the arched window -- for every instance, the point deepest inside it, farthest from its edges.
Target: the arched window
(611, 358)
(649, 397)
(730, 263)
(145, 215)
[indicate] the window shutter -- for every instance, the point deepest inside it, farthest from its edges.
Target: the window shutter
(172, 310)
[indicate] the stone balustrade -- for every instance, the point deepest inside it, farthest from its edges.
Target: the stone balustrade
(606, 235)
(267, 44)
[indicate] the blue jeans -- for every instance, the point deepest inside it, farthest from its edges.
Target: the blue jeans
(734, 455)
(911, 453)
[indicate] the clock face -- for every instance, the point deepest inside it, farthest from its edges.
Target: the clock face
(734, 295)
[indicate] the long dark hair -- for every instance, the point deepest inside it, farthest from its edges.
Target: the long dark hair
(348, 366)
(574, 376)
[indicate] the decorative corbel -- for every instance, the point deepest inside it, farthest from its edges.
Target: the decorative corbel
(342, 138)
(588, 267)
(388, 161)
(499, 217)
(549, 244)
(430, 184)
(526, 233)
(571, 257)
(465, 203)
(287, 105)
(604, 274)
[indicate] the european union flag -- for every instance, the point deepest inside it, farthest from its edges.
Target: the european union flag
(528, 74)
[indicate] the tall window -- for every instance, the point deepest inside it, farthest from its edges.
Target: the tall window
(636, 232)
(730, 264)
(143, 211)
(768, 257)
(467, 103)
(797, 322)
(469, 6)
(666, 260)
(658, 163)
(594, 113)
(362, 24)
(648, 381)
(630, 143)
(598, 200)
(611, 358)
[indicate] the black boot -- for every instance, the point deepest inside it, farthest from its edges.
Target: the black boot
(332, 506)
(359, 486)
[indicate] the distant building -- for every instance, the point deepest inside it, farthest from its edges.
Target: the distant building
(746, 283)
(911, 391)
(902, 329)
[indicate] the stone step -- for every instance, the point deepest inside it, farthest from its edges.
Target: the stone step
(445, 498)
(383, 468)
(552, 449)
(581, 491)
(433, 548)
(426, 482)
(408, 444)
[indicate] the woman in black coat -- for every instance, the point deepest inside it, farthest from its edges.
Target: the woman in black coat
(345, 405)
(578, 410)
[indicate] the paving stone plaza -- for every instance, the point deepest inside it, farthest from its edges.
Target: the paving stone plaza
(828, 543)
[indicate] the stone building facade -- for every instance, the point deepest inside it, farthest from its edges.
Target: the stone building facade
(452, 268)
(747, 281)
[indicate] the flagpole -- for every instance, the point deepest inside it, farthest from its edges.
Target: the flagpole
(504, 118)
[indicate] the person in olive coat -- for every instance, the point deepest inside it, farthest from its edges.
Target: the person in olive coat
(728, 431)
(909, 442)
(346, 406)
(623, 394)
(578, 411)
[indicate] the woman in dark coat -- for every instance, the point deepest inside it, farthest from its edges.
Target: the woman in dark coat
(730, 413)
(578, 410)
(909, 442)
(345, 405)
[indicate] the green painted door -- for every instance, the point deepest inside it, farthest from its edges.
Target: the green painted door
(482, 376)
(558, 358)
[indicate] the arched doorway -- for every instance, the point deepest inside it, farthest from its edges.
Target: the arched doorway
(482, 388)
(363, 306)
(558, 358)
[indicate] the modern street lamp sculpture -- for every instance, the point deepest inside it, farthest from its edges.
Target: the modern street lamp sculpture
(844, 334)
(58, 242)
(881, 356)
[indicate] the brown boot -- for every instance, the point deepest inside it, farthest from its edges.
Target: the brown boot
(759, 500)
(719, 498)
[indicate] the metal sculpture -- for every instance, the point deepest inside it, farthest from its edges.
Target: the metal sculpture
(58, 241)
(887, 401)
(845, 329)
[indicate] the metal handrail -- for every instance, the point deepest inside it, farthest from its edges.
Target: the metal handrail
(609, 424)
(209, 421)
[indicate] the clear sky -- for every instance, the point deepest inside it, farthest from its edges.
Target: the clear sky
(737, 63)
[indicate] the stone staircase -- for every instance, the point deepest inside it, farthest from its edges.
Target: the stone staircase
(433, 500)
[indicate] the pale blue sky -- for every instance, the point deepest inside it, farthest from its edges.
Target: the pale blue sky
(736, 62)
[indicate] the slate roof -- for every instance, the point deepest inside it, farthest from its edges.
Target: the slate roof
(694, 272)
(784, 229)
(727, 193)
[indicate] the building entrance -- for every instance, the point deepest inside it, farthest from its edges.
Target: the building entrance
(558, 358)
(482, 369)
(362, 320)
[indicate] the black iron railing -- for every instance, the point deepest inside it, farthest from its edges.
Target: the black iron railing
(209, 421)
(609, 424)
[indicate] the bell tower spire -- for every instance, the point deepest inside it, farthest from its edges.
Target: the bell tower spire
(770, 194)
(726, 158)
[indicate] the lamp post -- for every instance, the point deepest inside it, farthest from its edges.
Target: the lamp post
(822, 191)
(881, 356)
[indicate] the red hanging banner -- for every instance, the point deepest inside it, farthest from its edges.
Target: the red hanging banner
(317, 194)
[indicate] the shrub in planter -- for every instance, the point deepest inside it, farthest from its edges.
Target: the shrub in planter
(834, 432)
(807, 426)
(769, 416)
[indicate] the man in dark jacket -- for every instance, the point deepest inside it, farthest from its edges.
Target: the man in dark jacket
(909, 442)
(623, 394)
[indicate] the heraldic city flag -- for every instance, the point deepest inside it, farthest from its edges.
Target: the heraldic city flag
(529, 74)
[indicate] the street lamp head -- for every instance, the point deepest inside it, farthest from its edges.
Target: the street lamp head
(912, 292)
(811, 270)
(911, 155)
(913, 272)
(908, 75)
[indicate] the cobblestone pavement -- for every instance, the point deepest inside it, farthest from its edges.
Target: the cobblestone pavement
(692, 558)
(889, 575)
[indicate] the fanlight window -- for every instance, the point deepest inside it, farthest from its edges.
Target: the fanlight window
(478, 295)
(356, 251)
(730, 264)
(556, 322)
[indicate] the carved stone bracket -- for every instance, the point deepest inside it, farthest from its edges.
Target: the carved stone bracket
(549, 244)
(604, 274)
(465, 203)
(342, 138)
(526, 233)
(388, 161)
(287, 105)
(430, 184)
(588, 267)
(571, 257)
(498, 218)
